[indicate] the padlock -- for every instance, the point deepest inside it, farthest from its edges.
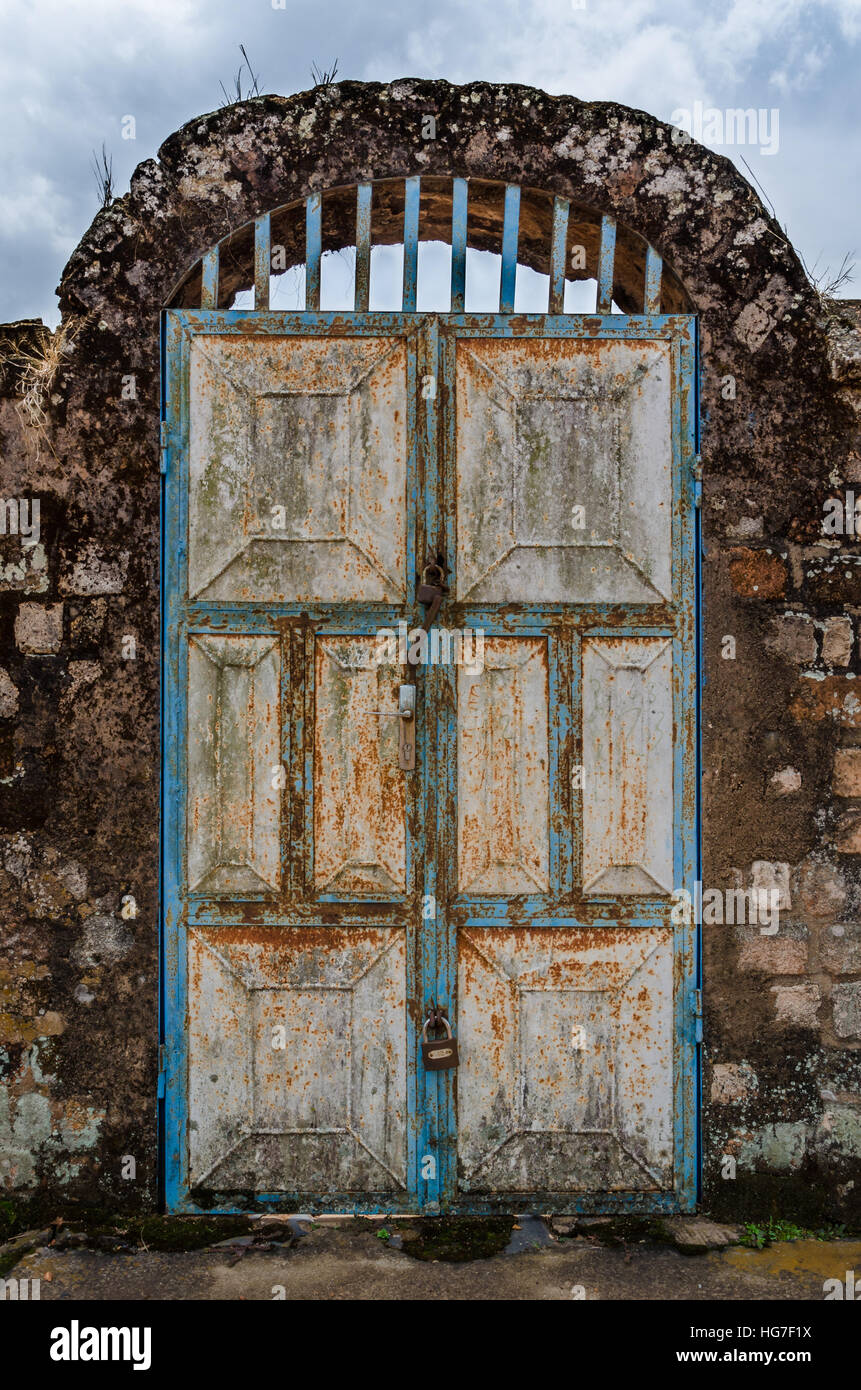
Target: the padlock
(431, 594)
(439, 1054)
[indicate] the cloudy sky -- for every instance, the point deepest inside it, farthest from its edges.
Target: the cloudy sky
(70, 70)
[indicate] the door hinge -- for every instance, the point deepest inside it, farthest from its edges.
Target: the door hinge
(164, 442)
(697, 473)
(697, 1011)
(162, 1069)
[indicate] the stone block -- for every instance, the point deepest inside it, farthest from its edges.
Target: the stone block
(836, 697)
(732, 1082)
(757, 573)
(8, 695)
(768, 876)
(39, 628)
(819, 888)
(792, 638)
(847, 838)
(778, 1147)
(846, 1005)
(797, 1006)
(847, 772)
(782, 954)
(94, 573)
(837, 641)
(840, 948)
(786, 781)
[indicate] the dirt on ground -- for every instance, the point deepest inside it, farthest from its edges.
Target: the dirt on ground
(297, 1258)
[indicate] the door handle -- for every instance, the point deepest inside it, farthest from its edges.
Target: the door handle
(406, 728)
(406, 716)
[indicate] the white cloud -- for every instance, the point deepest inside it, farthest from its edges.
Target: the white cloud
(849, 14)
(37, 207)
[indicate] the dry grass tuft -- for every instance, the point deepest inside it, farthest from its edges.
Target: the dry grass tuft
(37, 362)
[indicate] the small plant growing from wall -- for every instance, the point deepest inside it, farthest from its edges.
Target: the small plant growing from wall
(103, 171)
(252, 88)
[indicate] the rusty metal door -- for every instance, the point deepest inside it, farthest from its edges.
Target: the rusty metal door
(318, 895)
(294, 865)
(569, 773)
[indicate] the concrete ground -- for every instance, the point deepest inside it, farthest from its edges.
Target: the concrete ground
(353, 1261)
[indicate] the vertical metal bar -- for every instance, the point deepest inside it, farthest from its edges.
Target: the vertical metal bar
(571, 738)
(363, 247)
(313, 249)
(558, 739)
(510, 229)
(606, 258)
(443, 519)
(685, 699)
(174, 751)
(700, 682)
(162, 700)
(412, 195)
(654, 268)
(209, 285)
(262, 262)
(558, 247)
(459, 209)
(419, 1139)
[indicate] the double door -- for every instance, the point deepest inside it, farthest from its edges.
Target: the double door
(321, 894)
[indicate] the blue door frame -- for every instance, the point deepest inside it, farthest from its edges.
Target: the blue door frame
(431, 1095)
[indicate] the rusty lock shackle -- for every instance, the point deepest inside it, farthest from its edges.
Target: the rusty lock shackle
(438, 569)
(436, 1020)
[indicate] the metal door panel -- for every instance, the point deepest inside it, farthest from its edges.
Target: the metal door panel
(575, 1003)
(627, 765)
(502, 761)
(291, 1062)
(297, 1060)
(297, 469)
(234, 742)
(564, 471)
(359, 789)
(565, 1081)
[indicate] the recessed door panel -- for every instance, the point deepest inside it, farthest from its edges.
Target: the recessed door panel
(297, 1060)
(627, 765)
(297, 460)
(359, 789)
(502, 769)
(234, 721)
(565, 1083)
(564, 472)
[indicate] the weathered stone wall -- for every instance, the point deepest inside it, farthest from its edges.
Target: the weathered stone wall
(781, 719)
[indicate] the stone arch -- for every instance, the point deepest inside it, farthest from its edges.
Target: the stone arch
(222, 170)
